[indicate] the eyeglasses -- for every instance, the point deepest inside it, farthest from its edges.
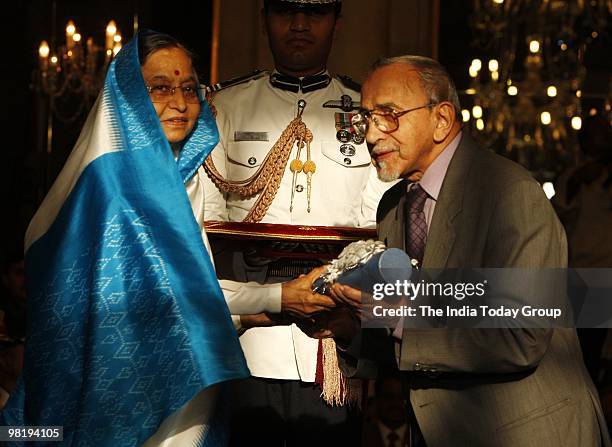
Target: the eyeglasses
(384, 121)
(163, 93)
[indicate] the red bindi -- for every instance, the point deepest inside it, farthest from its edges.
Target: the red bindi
(176, 72)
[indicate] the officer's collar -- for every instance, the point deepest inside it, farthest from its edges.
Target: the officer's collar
(306, 84)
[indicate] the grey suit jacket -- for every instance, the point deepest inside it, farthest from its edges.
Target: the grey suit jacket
(489, 387)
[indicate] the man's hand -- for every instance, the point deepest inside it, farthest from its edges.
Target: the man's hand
(298, 300)
(346, 295)
(339, 323)
(360, 303)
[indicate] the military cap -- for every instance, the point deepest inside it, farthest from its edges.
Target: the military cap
(310, 2)
(305, 4)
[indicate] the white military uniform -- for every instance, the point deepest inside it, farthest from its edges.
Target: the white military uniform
(345, 192)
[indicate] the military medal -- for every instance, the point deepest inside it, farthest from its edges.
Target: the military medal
(348, 150)
(345, 131)
(343, 136)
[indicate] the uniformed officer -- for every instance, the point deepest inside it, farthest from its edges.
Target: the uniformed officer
(320, 175)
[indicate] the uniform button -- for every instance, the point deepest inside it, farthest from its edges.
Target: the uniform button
(299, 188)
(252, 161)
(347, 161)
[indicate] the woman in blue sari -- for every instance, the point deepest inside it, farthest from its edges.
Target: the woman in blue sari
(129, 335)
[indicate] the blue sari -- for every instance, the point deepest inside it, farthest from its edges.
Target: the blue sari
(126, 319)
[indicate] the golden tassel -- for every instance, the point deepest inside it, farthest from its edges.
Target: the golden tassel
(337, 389)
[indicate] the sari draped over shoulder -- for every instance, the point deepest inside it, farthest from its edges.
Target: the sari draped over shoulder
(126, 320)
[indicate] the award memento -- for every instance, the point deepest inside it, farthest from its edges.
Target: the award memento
(364, 263)
(358, 139)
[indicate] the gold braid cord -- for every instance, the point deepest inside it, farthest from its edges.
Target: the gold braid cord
(266, 180)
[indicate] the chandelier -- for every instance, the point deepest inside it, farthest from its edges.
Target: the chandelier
(71, 75)
(525, 92)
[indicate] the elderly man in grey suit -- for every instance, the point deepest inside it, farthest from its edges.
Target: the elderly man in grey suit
(459, 206)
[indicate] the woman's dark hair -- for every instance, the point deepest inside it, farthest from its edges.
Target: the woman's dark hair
(151, 41)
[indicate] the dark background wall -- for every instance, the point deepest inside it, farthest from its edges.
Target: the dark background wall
(24, 165)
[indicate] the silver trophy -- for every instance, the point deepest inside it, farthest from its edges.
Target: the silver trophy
(362, 264)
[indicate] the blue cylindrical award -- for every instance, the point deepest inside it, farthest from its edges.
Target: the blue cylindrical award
(363, 264)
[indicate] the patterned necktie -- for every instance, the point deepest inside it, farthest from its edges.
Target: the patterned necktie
(416, 226)
(392, 439)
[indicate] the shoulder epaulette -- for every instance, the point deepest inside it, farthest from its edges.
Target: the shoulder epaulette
(349, 83)
(235, 81)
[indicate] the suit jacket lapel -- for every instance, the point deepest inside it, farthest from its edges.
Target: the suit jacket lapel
(392, 225)
(441, 236)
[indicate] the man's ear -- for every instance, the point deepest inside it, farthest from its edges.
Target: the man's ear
(445, 120)
(338, 26)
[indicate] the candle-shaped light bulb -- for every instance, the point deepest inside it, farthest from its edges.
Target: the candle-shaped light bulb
(70, 30)
(111, 30)
(76, 37)
(43, 49)
(43, 55)
(534, 46)
(493, 65)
